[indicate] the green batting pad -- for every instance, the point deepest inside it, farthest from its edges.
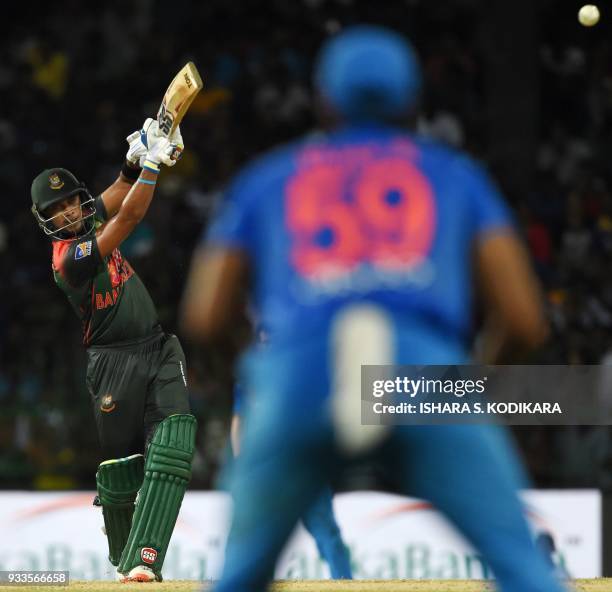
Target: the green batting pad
(167, 472)
(118, 482)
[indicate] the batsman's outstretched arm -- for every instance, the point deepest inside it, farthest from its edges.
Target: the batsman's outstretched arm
(139, 143)
(114, 195)
(136, 203)
(131, 211)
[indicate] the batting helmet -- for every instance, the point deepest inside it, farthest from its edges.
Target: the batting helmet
(53, 186)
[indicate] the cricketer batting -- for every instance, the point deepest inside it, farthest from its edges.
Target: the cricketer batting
(135, 371)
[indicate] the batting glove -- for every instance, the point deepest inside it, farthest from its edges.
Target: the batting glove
(136, 149)
(141, 140)
(159, 149)
(177, 139)
(163, 151)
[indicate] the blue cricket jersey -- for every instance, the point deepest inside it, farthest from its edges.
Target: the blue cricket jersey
(368, 214)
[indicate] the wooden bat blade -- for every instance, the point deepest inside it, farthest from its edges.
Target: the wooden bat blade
(178, 97)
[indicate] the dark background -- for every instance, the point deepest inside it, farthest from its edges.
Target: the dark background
(520, 85)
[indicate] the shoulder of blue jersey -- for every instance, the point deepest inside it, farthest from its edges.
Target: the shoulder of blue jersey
(455, 161)
(439, 150)
(255, 177)
(275, 162)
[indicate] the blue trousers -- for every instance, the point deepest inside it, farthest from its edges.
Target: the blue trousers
(319, 519)
(470, 473)
(320, 522)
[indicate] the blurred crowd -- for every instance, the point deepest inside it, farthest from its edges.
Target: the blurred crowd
(75, 83)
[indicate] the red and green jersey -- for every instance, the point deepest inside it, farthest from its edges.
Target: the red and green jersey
(108, 297)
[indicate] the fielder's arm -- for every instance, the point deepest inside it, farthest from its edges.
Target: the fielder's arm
(515, 322)
(215, 292)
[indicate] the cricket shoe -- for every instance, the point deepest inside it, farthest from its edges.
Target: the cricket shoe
(140, 573)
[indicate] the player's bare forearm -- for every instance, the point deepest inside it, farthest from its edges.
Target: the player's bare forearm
(137, 201)
(512, 296)
(132, 210)
(495, 345)
(114, 195)
(214, 293)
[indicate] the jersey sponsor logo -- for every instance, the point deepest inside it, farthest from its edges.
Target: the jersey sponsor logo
(107, 299)
(55, 182)
(148, 555)
(82, 250)
(119, 270)
(107, 404)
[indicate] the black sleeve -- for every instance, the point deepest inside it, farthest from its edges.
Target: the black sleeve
(101, 213)
(81, 261)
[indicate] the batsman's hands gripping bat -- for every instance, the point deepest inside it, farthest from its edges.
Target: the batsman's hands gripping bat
(162, 151)
(148, 141)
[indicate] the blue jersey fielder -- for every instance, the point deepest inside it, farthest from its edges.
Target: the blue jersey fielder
(361, 246)
(365, 214)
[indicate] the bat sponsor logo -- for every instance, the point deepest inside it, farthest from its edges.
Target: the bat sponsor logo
(107, 404)
(82, 250)
(164, 120)
(177, 98)
(55, 182)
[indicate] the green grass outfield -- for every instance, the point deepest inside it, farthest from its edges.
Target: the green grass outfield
(594, 585)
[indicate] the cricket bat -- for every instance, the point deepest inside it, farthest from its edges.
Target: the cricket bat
(178, 97)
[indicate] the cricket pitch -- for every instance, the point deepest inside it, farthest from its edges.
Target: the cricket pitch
(592, 585)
